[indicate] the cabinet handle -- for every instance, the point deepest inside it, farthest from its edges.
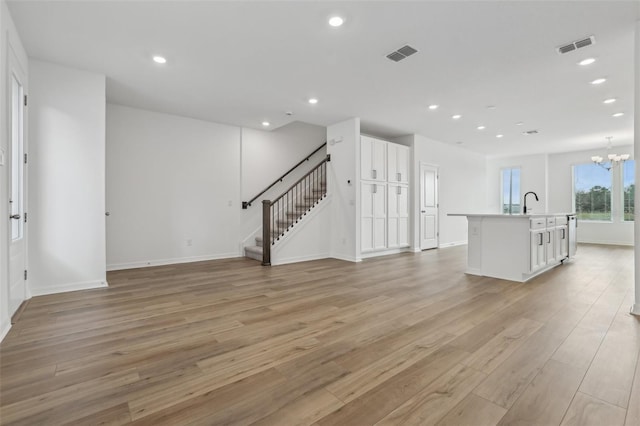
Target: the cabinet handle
(399, 191)
(540, 235)
(399, 176)
(374, 189)
(549, 237)
(563, 235)
(375, 174)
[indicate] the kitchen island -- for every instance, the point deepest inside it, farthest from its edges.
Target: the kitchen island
(518, 247)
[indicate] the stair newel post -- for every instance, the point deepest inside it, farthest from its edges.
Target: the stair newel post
(266, 233)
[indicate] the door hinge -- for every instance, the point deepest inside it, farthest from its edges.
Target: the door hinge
(25, 274)
(25, 100)
(25, 158)
(25, 217)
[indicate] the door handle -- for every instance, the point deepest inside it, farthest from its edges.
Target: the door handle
(423, 211)
(15, 216)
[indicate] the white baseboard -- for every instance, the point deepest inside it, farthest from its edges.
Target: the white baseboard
(367, 255)
(453, 244)
(345, 258)
(300, 259)
(4, 328)
(63, 288)
(161, 262)
(609, 243)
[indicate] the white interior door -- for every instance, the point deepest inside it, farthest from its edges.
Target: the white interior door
(17, 185)
(428, 207)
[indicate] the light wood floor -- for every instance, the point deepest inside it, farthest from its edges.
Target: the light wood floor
(406, 339)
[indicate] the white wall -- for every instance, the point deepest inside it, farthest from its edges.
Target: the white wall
(308, 239)
(268, 155)
(8, 37)
(173, 189)
(66, 179)
(561, 198)
(461, 187)
(344, 167)
(533, 170)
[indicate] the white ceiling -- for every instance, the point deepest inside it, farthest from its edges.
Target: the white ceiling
(245, 62)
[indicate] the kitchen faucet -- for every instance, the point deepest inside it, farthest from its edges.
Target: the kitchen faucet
(525, 200)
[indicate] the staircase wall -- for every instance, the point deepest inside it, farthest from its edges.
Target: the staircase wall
(308, 239)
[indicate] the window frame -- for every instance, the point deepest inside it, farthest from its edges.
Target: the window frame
(511, 169)
(612, 191)
(622, 190)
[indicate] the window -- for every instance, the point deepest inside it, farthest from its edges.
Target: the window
(511, 191)
(592, 192)
(628, 190)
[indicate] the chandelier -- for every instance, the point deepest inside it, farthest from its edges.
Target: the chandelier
(611, 160)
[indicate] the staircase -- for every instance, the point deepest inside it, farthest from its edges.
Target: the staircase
(294, 212)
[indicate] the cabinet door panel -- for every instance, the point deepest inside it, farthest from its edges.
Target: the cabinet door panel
(393, 232)
(550, 244)
(402, 168)
(366, 234)
(379, 160)
(403, 231)
(380, 201)
(366, 158)
(379, 233)
(392, 162)
(537, 241)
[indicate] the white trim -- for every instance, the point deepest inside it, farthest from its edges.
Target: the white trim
(608, 243)
(63, 288)
(453, 244)
(161, 262)
(369, 254)
(635, 309)
(301, 259)
(5, 329)
(346, 258)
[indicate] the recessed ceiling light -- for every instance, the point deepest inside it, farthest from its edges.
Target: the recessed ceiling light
(481, 127)
(459, 143)
(159, 60)
(609, 101)
(599, 81)
(336, 21)
(434, 106)
(519, 123)
(491, 107)
(587, 61)
(313, 101)
(266, 123)
(499, 136)
(618, 114)
(456, 117)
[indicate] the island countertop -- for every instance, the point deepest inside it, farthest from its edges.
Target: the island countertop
(503, 215)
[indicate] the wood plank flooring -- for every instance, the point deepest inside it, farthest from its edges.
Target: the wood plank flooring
(403, 339)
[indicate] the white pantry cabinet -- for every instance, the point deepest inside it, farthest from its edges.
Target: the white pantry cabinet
(373, 219)
(384, 188)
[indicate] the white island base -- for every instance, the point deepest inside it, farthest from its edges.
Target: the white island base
(518, 247)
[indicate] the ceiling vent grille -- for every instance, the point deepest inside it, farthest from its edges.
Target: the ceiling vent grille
(530, 132)
(402, 53)
(578, 44)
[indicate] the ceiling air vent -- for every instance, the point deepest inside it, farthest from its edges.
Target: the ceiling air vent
(576, 45)
(530, 132)
(401, 53)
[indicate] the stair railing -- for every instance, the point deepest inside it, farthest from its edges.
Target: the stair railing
(282, 213)
(246, 204)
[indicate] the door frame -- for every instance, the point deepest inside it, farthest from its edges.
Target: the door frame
(420, 188)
